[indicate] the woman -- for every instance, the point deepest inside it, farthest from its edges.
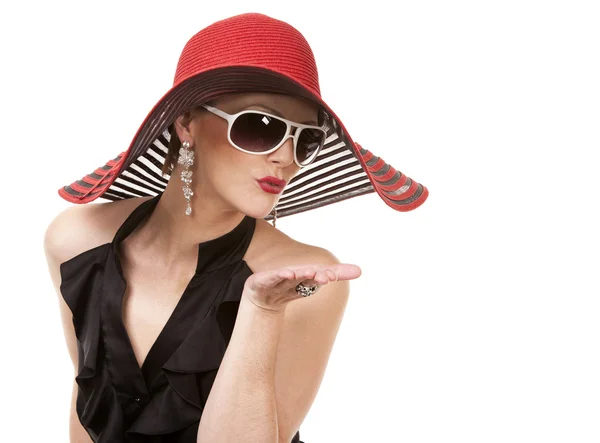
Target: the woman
(179, 288)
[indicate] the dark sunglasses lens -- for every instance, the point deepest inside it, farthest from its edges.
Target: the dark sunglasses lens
(310, 142)
(257, 132)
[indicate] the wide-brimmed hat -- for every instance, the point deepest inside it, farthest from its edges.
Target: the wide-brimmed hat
(249, 53)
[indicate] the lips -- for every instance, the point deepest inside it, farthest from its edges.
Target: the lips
(273, 181)
(272, 185)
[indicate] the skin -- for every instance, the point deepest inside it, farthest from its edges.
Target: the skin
(227, 183)
(159, 260)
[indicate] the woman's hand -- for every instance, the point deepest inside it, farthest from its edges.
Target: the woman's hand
(273, 290)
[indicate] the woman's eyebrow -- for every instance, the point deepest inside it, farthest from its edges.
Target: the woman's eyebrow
(279, 114)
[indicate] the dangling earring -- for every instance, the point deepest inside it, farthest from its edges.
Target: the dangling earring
(274, 214)
(186, 158)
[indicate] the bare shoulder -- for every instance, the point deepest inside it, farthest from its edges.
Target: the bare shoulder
(83, 227)
(271, 249)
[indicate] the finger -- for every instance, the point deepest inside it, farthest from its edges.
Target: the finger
(348, 271)
(333, 277)
(335, 272)
(322, 277)
(294, 277)
(315, 274)
(308, 278)
(306, 273)
(323, 274)
(276, 277)
(345, 271)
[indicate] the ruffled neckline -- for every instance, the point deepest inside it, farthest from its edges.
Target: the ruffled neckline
(118, 401)
(212, 255)
(187, 345)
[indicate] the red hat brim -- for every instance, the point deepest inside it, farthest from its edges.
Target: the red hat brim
(342, 170)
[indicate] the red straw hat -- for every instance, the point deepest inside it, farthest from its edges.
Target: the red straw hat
(249, 53)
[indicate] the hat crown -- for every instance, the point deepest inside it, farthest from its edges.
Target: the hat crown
(250, 40)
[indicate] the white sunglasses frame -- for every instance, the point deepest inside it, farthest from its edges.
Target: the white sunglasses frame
(289, 124)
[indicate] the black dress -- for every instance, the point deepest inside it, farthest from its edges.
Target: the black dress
(117, 401)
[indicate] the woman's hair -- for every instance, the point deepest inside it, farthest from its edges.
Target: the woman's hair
(323, 120)
(172, 152)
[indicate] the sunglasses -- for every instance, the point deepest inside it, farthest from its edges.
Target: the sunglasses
(260, 133)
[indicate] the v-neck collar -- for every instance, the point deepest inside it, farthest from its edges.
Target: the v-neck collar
(130, 380)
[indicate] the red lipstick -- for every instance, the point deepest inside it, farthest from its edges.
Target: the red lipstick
(272, 185)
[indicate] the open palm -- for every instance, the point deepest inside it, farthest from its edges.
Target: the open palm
(273, 290)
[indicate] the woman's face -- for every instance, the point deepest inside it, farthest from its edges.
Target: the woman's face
(227, 177)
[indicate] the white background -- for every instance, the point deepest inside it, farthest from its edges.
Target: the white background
(477, 315)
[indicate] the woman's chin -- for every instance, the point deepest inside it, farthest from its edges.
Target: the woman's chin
(258, 214)
(257, 211)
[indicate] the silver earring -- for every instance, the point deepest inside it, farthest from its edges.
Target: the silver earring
(274, 214)
(186, 158)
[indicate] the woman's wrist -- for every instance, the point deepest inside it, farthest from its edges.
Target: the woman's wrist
(248, 304)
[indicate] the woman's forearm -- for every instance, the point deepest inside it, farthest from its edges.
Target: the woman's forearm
(241, 405)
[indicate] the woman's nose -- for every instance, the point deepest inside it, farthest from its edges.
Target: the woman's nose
(284, 155)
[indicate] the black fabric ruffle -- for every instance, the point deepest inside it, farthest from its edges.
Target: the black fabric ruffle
(179, 388)
(175, 408)
(81, 287)
(192, 368)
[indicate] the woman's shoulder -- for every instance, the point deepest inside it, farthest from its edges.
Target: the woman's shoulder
(271, 249)
(81, 228)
